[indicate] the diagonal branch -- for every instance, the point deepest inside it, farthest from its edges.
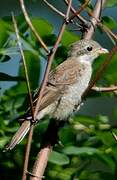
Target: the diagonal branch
(32, 27)
(53, 8)
(50, 59)
(81, 19)
(82, 7)
(42, 158)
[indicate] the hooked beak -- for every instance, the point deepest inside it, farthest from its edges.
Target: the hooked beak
(103, 51)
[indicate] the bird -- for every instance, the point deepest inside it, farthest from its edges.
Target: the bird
(65, 87)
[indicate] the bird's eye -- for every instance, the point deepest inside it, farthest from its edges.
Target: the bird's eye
(89, 48)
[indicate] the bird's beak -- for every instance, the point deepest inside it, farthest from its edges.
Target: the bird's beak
(103, 51)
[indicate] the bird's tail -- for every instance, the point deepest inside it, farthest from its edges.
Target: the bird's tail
(17, 138)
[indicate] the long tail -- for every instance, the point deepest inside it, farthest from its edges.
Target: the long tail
(17, 138)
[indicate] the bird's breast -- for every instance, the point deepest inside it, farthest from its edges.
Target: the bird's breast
(72, 95)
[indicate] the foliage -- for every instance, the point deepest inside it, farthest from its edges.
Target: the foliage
(88, 150)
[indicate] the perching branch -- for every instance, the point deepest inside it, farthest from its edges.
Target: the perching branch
(39, 168)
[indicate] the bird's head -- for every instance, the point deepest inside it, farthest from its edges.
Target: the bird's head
(86, 50)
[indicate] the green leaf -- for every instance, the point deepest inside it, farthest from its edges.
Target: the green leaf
(110, 74)
(33, 68)
(4, 28)
(6, 77)
(58, 158)
(42, 26)
(106, 138)
(111, 3)
(109, 22)
(85, 120)
(68, 38)
(72, 150)
(108, 161)
(3, 141)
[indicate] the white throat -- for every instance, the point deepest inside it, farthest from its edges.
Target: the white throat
(86, 58)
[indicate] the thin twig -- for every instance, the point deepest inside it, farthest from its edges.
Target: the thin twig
(26, 158)
(81, 19)
(82, 7)
(54, 9)
(107, 30)
(39, 168)
(24, 62)
(32, 27)
(105, 89)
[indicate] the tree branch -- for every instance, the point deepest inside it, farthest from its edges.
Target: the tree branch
(105, 89)
(96, 15)
(43, 155)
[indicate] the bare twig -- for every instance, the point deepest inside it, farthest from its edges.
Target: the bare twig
(107, 30)
(81, 19)
(105, 89)
(96, 14)
(24, 62)
(32, 27)
(26, 159)
(39, 168)
(82, 7)
(54, 9)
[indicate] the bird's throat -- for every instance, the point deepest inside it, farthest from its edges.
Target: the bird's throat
(86, 58)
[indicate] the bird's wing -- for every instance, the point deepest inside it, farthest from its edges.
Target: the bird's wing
(65, 74)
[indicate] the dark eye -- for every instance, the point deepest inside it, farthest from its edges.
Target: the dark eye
(89, 48)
